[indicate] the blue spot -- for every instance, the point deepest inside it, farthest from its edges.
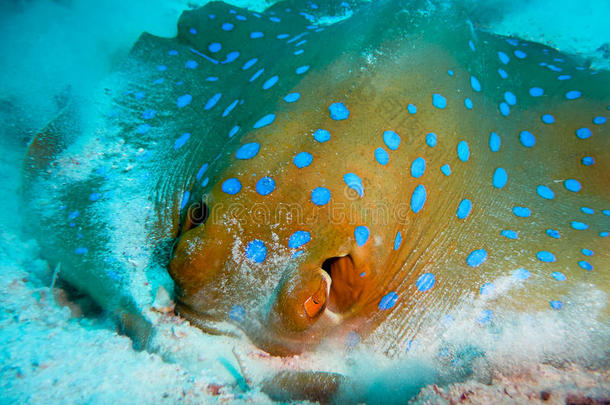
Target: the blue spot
(536, 92)
(214, 47)
(431, 139)
(302, 160)
(548, 119)
(237, 313)
(211, 79)
(292, 97)
(559, 276)
(256, 251)
(173, 52)
(464, 208)
(425, 282)
(587, 210)
(599, 120)
(160, 68)
(212, 101)
(256, 34)
(352, 339)
(191, 64)
(604, 234)
(587, 161)
(487, 288)
(73, 215)
(143, 128)
(302, 69)
(439, 101)
(321, 135)
(522, 212)
(194, 31)
(320, 196)
(572, 185)
(388, 301)
(579, 226)
(298, 239)
(411, 108)
(181, 140)
(573, 94)
(274, 19)
(266, 120)
(450, 72)
(564, 77)
(545, 192)
(527, 139)
(418, 198)
(338, 111)
(397, 240)
(471, 45)
(270, 82)
(475, 84)
(418, 167)
(509, 234)
(249, 63)
(256, 75)
(148, 114)
(230, 108)
(510, 98)
(546, 257)
(201, 171)
(494, 142)
(606, 212)
(446, 170)
(553, 233)
(485, 317)
(227, 26)
(585, 265)
(520, 54)
(382, 156)
(185, 199)
(504, 109)
(265, 186)
(500, 177)
(81, 250)
(463, 151)
(391, 139)
(587, 252)
(282, 36)
(298, 51)
(231, 186)
(476, 257)
(521, 274)
(556, 304)
(468, 103)
(233, 131)
(248, 151)
(361, 233)
(184, 100)
(583, 133)
(502, 73)
(231, 56)
(503, 57)
(354, 182)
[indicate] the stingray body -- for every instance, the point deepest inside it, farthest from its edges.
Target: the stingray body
(322, 181)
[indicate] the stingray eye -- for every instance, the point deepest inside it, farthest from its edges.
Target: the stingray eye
(196, 215)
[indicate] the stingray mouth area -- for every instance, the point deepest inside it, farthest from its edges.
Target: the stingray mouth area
(346, 286)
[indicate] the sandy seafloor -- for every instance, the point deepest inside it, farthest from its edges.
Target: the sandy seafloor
(50, 353)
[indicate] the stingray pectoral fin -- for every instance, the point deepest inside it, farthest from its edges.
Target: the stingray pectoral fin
(317, 386)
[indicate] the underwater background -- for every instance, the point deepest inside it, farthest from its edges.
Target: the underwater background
(57, 346)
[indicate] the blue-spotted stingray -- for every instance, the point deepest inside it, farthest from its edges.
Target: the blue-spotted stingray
(311, 182)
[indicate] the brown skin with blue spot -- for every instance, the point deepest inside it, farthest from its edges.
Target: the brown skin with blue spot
(376, 84)
(375, 63)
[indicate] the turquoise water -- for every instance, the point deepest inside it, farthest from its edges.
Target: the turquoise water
(61, 341)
